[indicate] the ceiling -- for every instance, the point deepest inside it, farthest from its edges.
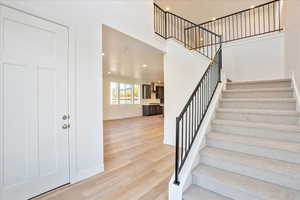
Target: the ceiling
(199, 11)
(128, 58)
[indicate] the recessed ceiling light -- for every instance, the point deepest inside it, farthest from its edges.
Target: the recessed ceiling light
(144, 65)
(252, 6)
(102, 54)
(213, 19)
(108, 72)
(167, 8)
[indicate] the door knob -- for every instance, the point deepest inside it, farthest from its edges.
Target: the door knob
(66, 126)
(65, 117)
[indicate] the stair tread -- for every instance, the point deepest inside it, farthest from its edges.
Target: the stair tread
(259, 90)
(247, 184)
(255, 141)
(257, 162)
(195, 192)
(258, 81)
(281, 127)
(258, 99)
(259, 111)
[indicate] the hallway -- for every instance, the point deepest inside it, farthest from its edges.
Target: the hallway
(138, 165)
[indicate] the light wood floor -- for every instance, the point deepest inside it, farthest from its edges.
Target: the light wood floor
(137, 164)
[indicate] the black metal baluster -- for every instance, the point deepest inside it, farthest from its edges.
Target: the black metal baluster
(196, 38)
(223, 27)
(199, 107)
(274, 18)
(192, 105)
(232, 23)
(279, 16)
(180, 25)
(269, 17)
(211, 46)
(229, 29)
(189, 140)
(254, 23)
(237, 26)
(264, 19)
(259, 20)
(241, 24)
(176, 28)
(226, 36)
(154, 14)
(250, 31)
(182, 137)
(177, 152)
(195, 113)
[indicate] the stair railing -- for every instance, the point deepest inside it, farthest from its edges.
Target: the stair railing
(207, 43)
(254, 21)
(191, 117)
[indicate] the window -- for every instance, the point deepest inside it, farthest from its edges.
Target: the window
(114, 93)
(124, 93)
(136, 94)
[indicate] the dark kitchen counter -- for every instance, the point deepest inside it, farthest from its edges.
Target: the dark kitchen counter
(152, 109)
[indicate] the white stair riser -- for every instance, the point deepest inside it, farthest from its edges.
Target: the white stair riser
(257, 132)
(211, 184)
(194, 192)
(263, 118)
(260, 94)
(259, 105)
(286, 180)
(278, 154)
(283, 84)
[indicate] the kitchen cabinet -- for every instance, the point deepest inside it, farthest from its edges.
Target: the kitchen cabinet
(159, 92)
(154, 109)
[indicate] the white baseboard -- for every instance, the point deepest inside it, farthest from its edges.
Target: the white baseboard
(87, 173)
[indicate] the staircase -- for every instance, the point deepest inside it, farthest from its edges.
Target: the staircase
(252, 151)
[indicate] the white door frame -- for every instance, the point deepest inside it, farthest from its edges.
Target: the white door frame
(72, 89)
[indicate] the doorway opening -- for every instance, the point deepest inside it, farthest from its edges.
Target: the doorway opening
(133, 105)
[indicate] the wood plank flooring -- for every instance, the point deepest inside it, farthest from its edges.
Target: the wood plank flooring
(138, 165)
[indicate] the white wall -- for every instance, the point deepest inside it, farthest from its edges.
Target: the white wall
(257, 58)
(111, 112)
(85, 21)
(182, 71)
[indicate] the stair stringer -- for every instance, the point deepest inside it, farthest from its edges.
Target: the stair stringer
(193, 159)
(296, 92)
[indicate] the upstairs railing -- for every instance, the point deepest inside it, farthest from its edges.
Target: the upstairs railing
(254, 21)
(169, 25)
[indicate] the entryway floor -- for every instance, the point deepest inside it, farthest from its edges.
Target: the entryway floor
(137, 164)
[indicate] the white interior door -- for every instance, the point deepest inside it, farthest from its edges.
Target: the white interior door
(34, 97)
